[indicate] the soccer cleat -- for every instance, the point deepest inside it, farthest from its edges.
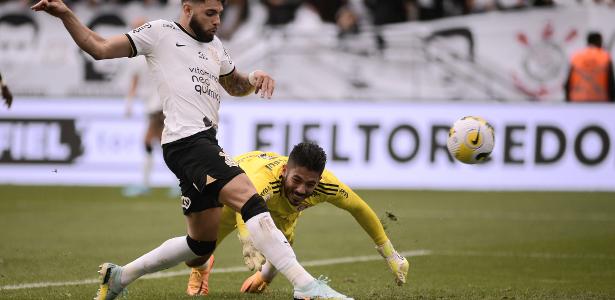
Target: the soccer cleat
(254, 284)
(318, 289)
(198, 284)
(110, 286)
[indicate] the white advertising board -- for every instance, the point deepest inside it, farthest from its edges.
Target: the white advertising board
(369, 145)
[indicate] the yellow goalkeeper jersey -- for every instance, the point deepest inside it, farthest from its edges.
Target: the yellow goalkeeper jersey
(265, 170)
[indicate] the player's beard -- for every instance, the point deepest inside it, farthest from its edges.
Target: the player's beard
(200, 34)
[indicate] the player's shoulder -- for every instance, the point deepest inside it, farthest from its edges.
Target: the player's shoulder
(159, 24)
(217, 42)
(218, 45)
(258, 155)
(329, 184)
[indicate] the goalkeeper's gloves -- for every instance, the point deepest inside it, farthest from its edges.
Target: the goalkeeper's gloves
(254, 284)
(253, 259)
(397, 263)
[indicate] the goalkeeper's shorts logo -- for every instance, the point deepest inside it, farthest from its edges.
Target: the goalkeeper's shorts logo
(186, 202)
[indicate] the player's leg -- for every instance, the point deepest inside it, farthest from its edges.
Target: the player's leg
(202, 219)
(149, 140)
(268, 239)
(202, 213)
(198, 282)
(225, 226)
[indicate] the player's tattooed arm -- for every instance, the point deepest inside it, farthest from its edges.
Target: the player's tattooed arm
(236, 84)
(239, 84)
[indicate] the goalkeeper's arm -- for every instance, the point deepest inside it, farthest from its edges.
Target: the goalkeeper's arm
(366, 217)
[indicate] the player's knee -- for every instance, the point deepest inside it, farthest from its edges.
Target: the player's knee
(254, 206)
(201, 248)
(148, 148)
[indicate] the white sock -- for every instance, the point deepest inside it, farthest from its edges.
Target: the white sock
(169, 254)
(268, 239)
(268, 271)
(147, 169)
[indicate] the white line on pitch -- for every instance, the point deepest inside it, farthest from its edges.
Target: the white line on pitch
(311, 263)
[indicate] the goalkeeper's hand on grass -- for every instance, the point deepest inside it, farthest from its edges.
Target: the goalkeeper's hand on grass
(397, 263)
(253, 259)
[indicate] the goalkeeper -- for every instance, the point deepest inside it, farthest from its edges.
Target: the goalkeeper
(291, 185)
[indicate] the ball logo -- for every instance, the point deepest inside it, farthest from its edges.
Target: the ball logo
(186, 202)
(474, 139)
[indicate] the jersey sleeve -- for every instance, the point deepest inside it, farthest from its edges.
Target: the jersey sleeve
(227, 66)
(143, 39)
(346, 199)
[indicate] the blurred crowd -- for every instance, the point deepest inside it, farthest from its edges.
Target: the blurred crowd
(347, 14)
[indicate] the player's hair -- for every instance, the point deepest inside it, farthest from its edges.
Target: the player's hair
(309, 156)
(221, 1)
(594, 38)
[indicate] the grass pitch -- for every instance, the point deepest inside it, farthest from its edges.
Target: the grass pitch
(474, 245)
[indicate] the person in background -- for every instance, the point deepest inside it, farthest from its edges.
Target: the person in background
(142, 85)
(590, 78)
(6, 93)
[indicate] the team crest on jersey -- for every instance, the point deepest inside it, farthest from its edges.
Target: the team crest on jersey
(186, 202)
(228, 159)
(202, 55)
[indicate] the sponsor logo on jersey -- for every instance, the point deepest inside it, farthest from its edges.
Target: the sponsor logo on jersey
(142, 27)
(171, 26)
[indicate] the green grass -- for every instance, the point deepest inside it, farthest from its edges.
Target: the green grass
(484, 245)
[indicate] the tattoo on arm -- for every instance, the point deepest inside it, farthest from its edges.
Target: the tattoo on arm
(236, 84)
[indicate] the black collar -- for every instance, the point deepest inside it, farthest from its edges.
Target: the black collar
(190, 35)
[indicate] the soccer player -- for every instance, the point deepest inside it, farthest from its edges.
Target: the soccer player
(6, 93)
(189, 64)
(141, 81)
(290, 185)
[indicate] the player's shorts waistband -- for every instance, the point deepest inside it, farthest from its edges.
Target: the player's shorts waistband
(209, 134)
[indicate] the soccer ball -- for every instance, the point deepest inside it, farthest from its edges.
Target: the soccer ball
(470, 140)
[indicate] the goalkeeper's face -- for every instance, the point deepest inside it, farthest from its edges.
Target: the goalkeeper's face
(298, 183)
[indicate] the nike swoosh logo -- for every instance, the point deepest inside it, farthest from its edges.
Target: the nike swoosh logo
(475, 141)
(179, 45)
